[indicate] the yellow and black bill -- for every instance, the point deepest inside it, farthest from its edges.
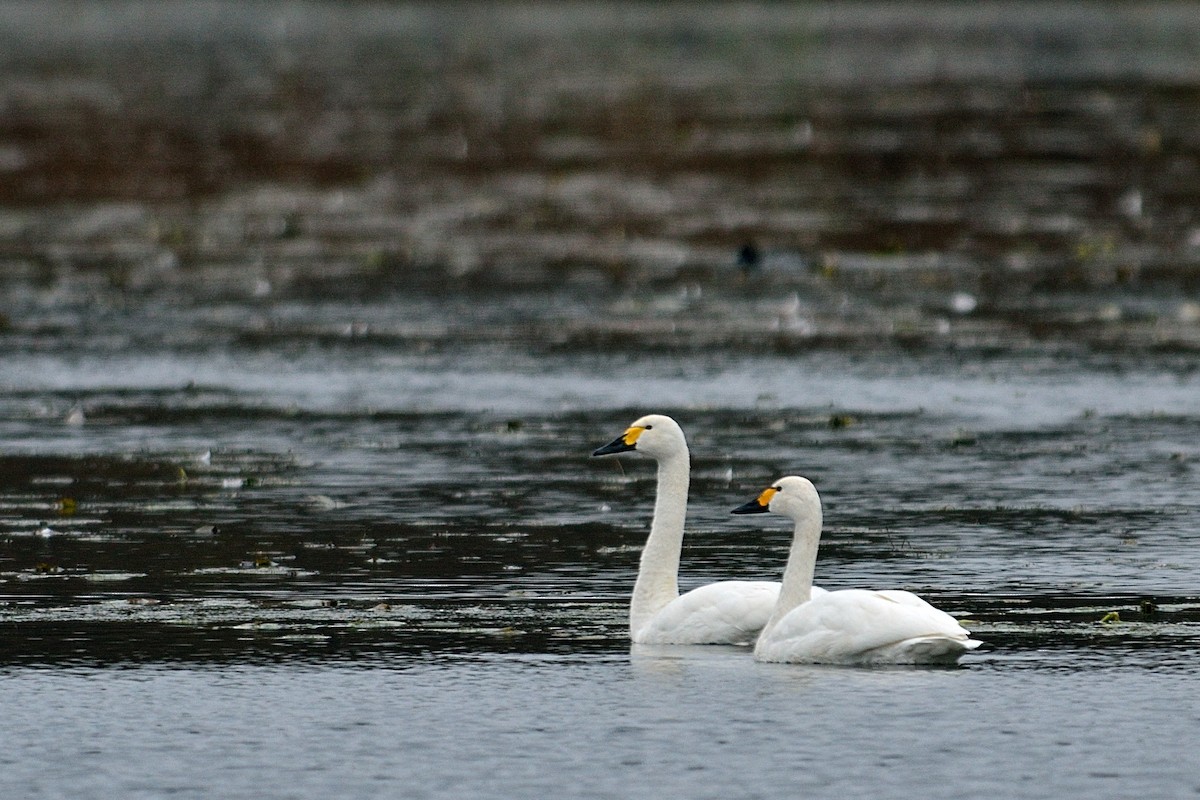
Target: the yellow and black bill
(759, 505)
(622, 444)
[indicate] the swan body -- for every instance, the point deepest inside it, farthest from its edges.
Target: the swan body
(850, 626)
(726, 612)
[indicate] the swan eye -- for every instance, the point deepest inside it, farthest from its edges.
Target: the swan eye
(648, 427)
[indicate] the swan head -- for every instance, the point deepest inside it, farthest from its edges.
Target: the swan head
(655, 435)
(792, 496)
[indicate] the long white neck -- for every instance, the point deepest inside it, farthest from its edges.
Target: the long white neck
(801, 563)
(658, 577)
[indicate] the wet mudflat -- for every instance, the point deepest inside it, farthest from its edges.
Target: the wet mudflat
(312, 319)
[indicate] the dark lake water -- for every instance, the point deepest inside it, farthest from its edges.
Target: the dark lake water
(310, 320)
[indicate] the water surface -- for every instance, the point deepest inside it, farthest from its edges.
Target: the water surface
(301, 370)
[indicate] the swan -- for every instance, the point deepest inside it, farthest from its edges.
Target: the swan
(727, 612)
(849, 626)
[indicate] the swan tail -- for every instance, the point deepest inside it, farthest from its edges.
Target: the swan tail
(935, 649)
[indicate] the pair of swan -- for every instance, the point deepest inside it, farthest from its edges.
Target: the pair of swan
(792, 621)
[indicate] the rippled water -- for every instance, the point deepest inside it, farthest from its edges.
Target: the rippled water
(295, 419)
(363, 569)
(704, 724)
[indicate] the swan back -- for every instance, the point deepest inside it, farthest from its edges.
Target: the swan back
(857, 626)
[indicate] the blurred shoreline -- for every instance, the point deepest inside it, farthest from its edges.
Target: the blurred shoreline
(1027, 170)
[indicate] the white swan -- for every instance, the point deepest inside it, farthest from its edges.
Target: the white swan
(850, 626)
(727, 612)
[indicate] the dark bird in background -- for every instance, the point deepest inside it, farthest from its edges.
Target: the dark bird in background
(749, 258)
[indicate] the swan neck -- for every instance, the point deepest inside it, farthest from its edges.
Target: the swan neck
(658, 576)
(801, 564)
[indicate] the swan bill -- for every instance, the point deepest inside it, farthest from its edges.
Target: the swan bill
(622, 444)
(759, 505)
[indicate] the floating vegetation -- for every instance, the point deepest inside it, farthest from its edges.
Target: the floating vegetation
(113, 577)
